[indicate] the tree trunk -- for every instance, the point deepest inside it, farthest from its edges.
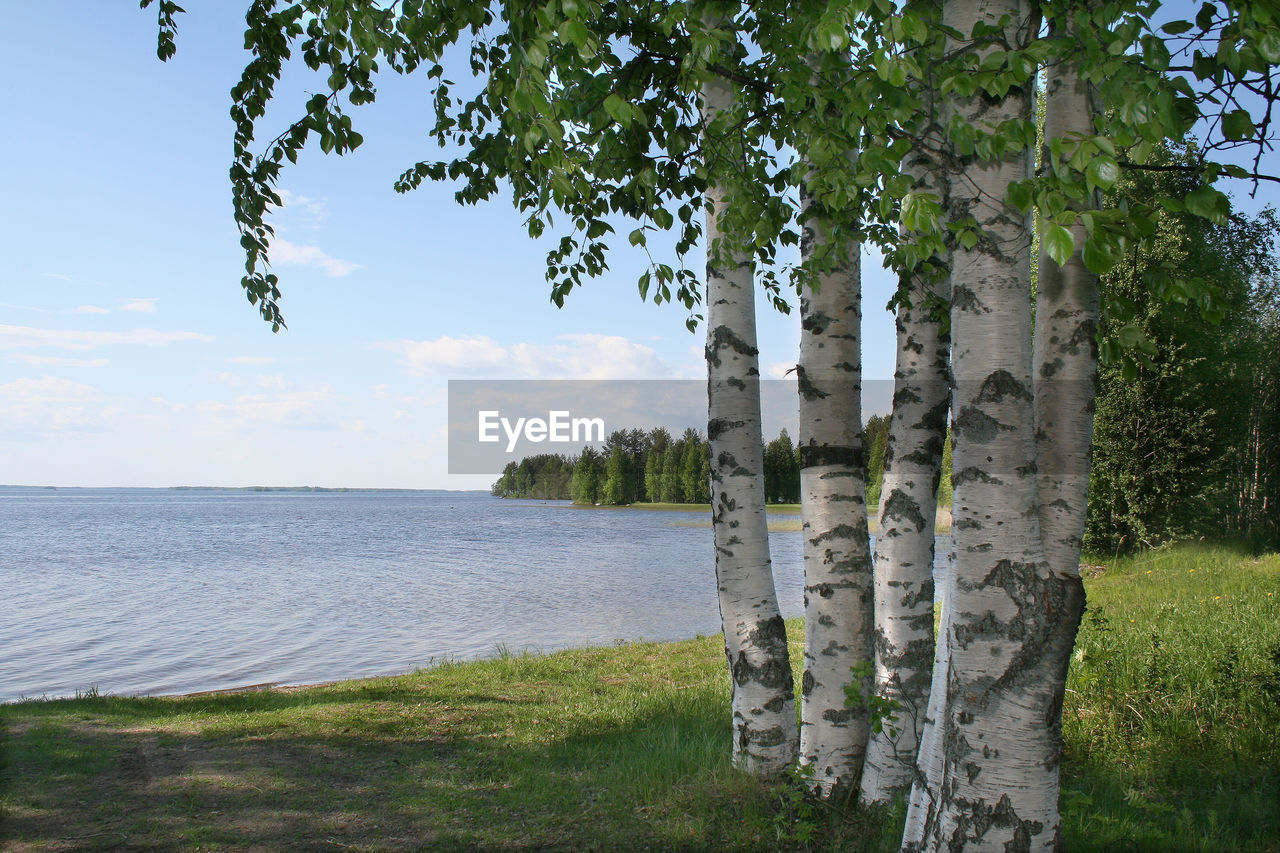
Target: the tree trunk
(994, 693)
(1066, 374)
(904, 553)
(837, 555)
(765, 738)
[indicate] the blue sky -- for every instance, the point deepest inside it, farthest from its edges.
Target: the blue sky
(128, 354)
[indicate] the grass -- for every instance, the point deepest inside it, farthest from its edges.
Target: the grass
(1172, 716)
(596, 749)
(1170, 725)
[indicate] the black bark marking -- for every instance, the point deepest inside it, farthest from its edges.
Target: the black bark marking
(721, 338)
(976, 819)
(964, 299)
(716, 427)
(977, 426)
(840, 531)
(902, 507)
(808, 390)
(1002, 385)
(770, 636)
(813, 455)
(816, 322)
(964, 475)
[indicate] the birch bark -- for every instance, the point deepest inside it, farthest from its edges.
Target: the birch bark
(837, 555)
(904, 552)
(1066, 371)
(995, 756)
(765, 737)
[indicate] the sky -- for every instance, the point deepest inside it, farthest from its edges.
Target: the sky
(128, 353)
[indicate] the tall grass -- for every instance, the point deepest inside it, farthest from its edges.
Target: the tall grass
(1172, 711)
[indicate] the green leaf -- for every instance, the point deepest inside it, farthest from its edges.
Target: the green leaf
(1156, 54)
(1097, 258)
(1268, 46)
(636, 237)
(1130, 336)
(1208, 203)
(1237, 124)
(574, 32)
(618, 109)
(1058, 242)
(1176, 28)
(1102, 172)
(1021, 195)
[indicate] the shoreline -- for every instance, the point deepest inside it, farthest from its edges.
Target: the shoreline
(790, 522)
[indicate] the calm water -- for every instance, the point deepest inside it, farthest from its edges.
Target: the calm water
(135, 591)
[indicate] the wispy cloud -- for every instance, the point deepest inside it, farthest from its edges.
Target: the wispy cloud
(299, 409)
(58, 275)
(90, 309)
(316, 209)
(571, 357)
(57, 361)
(50, 404)
(140, 305)
(21, 337)
(251, 359)
(291, 254)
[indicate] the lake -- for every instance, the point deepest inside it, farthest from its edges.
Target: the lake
(158, 591)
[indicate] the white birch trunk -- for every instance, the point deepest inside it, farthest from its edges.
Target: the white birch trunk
(997, 783)
(837, 554)
(904, 553)
(765, 738)
(1066, 372)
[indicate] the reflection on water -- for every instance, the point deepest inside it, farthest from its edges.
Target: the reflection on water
(170, 591)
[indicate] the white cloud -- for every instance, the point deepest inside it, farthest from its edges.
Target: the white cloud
(272, 382)
(781, 370)
(291, 254)
(141, 306)
(251, 359)
(16, 337)
(58, 275)
(225, 378)
(571, 357)
(48, 388)
(56, 361)
(291, 408)
(314, 208)
(49, 404)
(90, 309)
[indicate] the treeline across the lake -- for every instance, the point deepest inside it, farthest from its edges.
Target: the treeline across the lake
(653, 466)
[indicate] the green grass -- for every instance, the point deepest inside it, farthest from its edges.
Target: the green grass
(1171, 723)
(1172, 716)
(613, 748)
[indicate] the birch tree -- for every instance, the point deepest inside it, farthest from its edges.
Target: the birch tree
(837, 558)
(765, 738)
